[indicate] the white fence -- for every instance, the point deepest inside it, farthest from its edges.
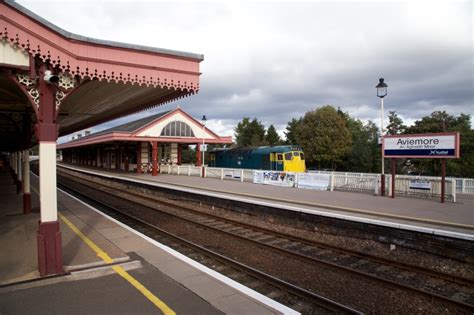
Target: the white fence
(429, 187)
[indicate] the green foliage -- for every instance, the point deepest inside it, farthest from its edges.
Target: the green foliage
(395, 126)
(324, 136)
(250, 133)
(443, 122)
(188, 156)
(365, 152)
(290, 132)
(272, 137)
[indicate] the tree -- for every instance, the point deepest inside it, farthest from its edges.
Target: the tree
(324, 136)
(395, 125)
(250, 133)
(272, 137)
(290, 132)
(242, 137)
(440, 121)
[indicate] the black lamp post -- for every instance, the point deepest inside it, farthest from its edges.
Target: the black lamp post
(382, 92)
(204, 120)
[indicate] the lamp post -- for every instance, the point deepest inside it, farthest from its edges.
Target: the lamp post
(204, 120)
(382, 92)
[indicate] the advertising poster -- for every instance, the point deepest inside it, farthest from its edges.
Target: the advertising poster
(420, 184)
(313, 181)
(274, 178)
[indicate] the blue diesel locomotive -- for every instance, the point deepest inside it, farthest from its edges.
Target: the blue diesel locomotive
(287, 158)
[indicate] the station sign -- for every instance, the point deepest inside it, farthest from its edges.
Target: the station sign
(203, 147)
(430, 145)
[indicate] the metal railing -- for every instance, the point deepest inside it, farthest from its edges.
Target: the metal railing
(463, 185)
(343, 181)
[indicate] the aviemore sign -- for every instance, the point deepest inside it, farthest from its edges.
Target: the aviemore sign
(430, 145)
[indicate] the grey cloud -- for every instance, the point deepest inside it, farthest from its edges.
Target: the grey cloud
(275, 61)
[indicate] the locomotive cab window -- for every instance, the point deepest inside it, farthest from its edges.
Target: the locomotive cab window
(288, 156)
(296, 153)
(302, 156)
(279, 157)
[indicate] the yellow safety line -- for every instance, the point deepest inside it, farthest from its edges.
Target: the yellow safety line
(119, 269)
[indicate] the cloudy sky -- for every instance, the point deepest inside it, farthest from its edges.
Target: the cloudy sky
(277, 60)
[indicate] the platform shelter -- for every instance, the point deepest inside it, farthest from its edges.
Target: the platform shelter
(53, 83)
(142, 145)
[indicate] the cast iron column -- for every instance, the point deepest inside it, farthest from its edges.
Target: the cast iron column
(154, 157)
(49, 235)
(139, 158)
(26, 182)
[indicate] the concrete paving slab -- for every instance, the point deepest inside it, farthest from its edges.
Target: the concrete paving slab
(239, 305)
(179, 270)
(209, 288)
(115, 233)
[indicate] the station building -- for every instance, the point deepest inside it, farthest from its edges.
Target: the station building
(142, 145)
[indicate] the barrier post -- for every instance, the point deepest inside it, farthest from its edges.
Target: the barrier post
(242, 175)
(376, 184)
(453, 189)
(443, 179)
(393, 166)
(331, 186)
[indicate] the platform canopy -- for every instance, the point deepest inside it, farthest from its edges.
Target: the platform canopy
(97, 80)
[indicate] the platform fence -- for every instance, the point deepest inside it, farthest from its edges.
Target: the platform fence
(405, 185)
(463, 185)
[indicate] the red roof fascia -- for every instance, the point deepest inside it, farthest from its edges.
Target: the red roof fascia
(116, 136)
(100, 61)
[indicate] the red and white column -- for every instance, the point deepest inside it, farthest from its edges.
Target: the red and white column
(180, 153)
(14, 167)
(19, 174)
(198, 155)
(154, 157)
(26, 182)
(49, 235)
(139, 158)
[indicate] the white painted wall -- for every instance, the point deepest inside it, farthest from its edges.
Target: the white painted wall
(48, 196)
(155, 131)
(13, 55)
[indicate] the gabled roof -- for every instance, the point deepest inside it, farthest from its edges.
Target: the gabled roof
(133, 131)
(131, 126)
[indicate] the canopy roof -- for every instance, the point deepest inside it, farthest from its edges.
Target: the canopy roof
(104, 80)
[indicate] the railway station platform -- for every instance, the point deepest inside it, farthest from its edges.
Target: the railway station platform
(423, 215)
(108, 268)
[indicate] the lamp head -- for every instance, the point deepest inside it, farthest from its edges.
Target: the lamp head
(381, 88)
(50, 78)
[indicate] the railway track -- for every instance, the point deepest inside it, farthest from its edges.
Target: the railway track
(448, 288)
